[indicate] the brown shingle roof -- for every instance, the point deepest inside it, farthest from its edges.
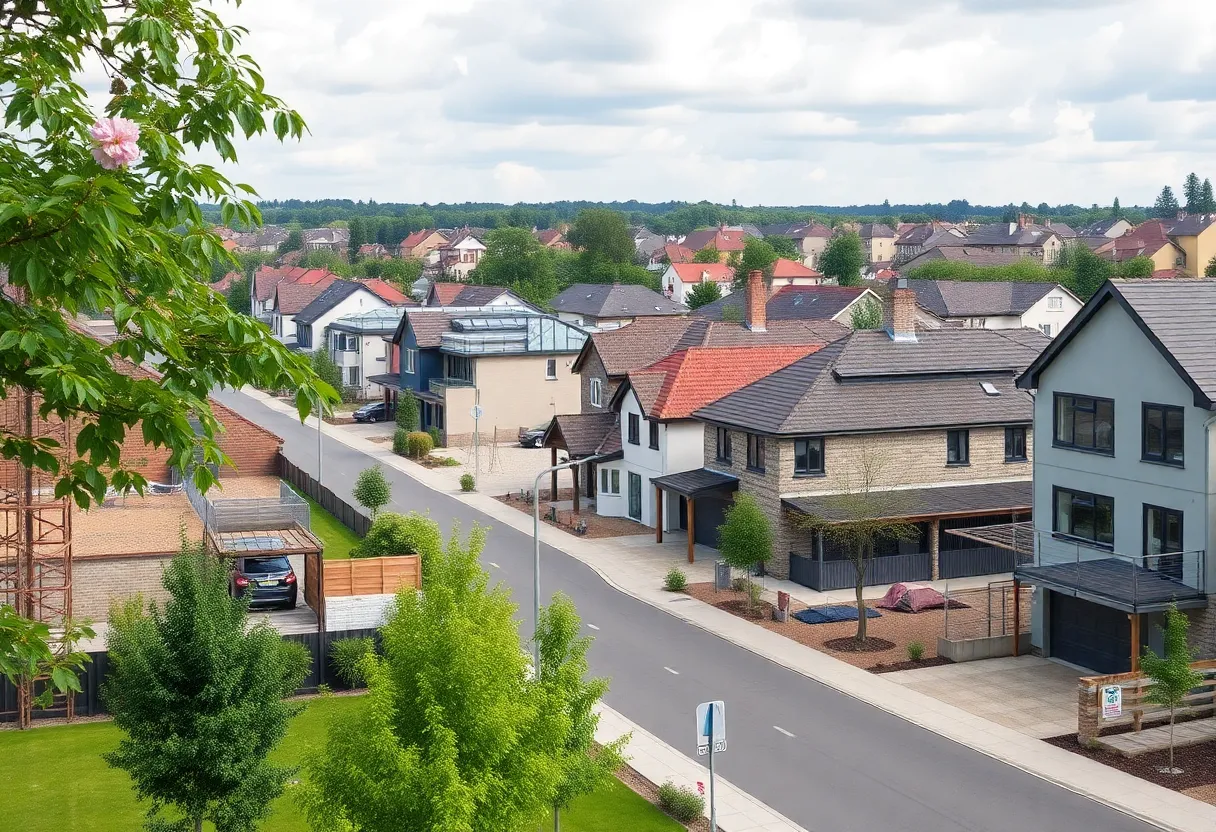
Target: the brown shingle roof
(580, 434)
(293, 297)
(428, 325)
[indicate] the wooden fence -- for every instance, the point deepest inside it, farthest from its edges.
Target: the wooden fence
(371, 576)
(302, 481)
(1137, 710)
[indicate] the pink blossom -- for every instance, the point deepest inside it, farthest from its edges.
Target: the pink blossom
(116, 142)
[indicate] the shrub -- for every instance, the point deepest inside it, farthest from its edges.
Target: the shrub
(738, 584)
(916, 651)
(418, 444)
(448, 462)
(754, 591)
(350, 395)
(400, 534)
(467, 483)
(372, 490)
(407, 412)
(681, 802)
(348, 655)
(745, 537)
(401, 443)
(436, 439)
(675, 581)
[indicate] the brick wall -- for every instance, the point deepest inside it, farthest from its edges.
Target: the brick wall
(1202, 634)
(97, 582)
(593, 367)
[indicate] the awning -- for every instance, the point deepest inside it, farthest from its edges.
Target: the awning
(697, 483)
(918, 503)
(391, 381)
(1114, 582)
(582, 434)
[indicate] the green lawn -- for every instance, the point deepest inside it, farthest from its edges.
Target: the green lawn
(55, 779)
(336, 538)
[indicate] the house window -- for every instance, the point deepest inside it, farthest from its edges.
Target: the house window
(304, 335)
(616, 481)
(635, 429)
(958, 451)
(1161, 437)
(551, 369)
(1055, 303)
(755, 452)
(1045, 329)
(1015, 444)
(1085, 423)
(352, 376)
(654, 435)
(610, 481)
(723, 449)
(1089, 517)
(458, 367)
(597, 392)
(1163, 536)
(808, 457)
(410, 359)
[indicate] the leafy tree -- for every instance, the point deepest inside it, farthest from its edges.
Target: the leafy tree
(372, 489)
(1134, 267)
(707, 291)
(860, 523)
(1116, 212)
(709, 254)
(1171, 674)
(27, 652)
(1081, 270)
(238, 295)
(394, 534)
(758, 255)
(867, 314)
(324, 259)
(407, 411)
(1166, 206)
(745, 538)
(1207, 201)
(458, 731)
(843, 258)
(515, 259)
(103, 213)
(1192, 192)
(784, 247)
(1210, 269)
(604, 234)
(199, 695)
(326, 369)
(294, 242)
(358, 236)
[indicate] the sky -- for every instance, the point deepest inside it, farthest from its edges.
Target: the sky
(767, 102)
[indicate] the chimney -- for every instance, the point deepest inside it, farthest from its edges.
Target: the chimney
(756, 316)
(1025, 220)
(902, 317)
(1181, 214)
(1013, 228)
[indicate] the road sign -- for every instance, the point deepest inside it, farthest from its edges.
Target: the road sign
(1112, 702)
(711, 722)
(476, 412)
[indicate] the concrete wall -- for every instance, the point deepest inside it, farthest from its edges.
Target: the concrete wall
(515, 393)
(357, 612)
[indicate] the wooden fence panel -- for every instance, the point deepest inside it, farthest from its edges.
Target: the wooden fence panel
(371, 576)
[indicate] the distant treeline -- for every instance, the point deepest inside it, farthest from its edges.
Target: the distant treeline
(390, 222)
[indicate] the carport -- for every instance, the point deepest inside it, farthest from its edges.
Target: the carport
(704, 497)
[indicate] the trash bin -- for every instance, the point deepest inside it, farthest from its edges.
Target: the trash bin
(721, 575)
(781, 612)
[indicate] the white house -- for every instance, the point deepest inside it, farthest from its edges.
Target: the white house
(680, 278)
(358, 340)
(459, 257)
(1046, 307)
(340, 299)
(600, 306)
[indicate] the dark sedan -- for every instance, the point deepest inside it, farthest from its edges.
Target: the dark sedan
(533, 437)
(373, 412)
(267, 581)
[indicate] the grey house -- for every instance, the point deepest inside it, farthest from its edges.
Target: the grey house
(1124, 480)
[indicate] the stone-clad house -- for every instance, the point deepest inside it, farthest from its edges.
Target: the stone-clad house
(934, 417)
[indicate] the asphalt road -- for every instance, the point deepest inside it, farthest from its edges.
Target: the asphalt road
(825, 760)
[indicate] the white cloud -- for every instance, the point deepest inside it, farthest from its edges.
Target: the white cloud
(756, 100)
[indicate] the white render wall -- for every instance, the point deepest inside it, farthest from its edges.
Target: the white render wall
(680, 289)
(357, 612)
(362, 300)
(1040, 313)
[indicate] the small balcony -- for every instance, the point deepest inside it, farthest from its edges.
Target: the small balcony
(439, 386)
(348, 358)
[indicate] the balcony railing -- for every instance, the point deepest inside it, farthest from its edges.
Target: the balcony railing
(439, 385)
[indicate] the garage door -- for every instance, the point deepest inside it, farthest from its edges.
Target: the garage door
(1090, 635)
(708, 514)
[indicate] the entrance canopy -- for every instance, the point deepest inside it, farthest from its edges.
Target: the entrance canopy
(585, 434)
(697, 483)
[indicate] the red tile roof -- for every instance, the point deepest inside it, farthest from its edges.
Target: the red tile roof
(445, 293)
(723, 239)
(690, 379)
(678, 254)
(548, 236)
(1145, 240)
(417, 237)
(790, 268)
(698, 272)
(388, 293)
(291, 296)
(224, 282)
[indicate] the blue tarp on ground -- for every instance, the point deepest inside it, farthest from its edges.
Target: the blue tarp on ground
(826, 615)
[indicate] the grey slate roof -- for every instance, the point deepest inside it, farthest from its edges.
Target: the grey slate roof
(1000, 234)
(964, 299)
(875, 229)
(790, 303)
(334, 294)
(1188, 226)
(1097, 229)
(867, 382)
(581, 434)
(696, 482)
(979, 499)
(613, 300)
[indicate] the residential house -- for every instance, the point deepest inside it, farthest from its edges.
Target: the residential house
(610, 305)
(374, 251)
(878, 242)
(1022, 238)
(1047, 307)
(336, 240)
(791, 273)
(960, 254)
(1195, 234)
(921, 237)
(927, 428)
(1109, 228)
(266, 239)
(1063, 230)
(359, 340)
(1149, 240)
(265, 283)
(291, 297)
(646, 244)
(810, 237)
(1124, 475)
(458, 258)
(796, 303)
(387, 292)
(680, 278)
(724, 238)
(339, 299)
(551, 238)
(472, 296)
(513, 362)
(672, 253)
(421, 244)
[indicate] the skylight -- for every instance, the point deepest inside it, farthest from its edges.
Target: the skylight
(989, 388)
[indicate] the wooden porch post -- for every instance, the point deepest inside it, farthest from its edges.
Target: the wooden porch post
(692, 528)
(574, 474)
(553, 476)
(935, 527)
(1017, 617)
(1134, 618)
(658, 511)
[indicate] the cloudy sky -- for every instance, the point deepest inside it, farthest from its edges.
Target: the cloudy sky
(771, 102)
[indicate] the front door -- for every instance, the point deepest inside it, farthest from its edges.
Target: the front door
(635, 496)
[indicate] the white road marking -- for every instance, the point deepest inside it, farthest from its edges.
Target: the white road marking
(672, 672)
(782, 730)
(495, 565)
(592, 626)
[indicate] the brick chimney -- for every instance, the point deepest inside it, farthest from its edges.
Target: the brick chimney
(1025, 220)
(901, 319)
(756, 317)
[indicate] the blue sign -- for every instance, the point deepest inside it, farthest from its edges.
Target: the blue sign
(711, 723)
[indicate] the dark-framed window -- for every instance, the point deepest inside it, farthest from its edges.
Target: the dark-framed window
(808, 457)
(958, 447)
(1089, 517)
(1161, 435)
(723, 445)
(755, 452)
(1015, 444)
(654, 434)
(635, 429)
(551, 368)
(1084, 423)
(1163, 536)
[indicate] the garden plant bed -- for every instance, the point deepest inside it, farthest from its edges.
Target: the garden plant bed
(898, 628)
(850, 644)
(1198, 764)
(597, 526)
(643, 787)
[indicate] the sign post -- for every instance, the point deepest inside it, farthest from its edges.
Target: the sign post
(476, 412)
(711, 739)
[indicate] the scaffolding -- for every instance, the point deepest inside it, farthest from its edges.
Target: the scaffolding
(35, 536)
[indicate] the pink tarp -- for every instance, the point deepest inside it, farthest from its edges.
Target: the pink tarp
(912, 598)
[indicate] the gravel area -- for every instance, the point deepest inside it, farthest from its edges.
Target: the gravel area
(1198, 764)
(899, 628)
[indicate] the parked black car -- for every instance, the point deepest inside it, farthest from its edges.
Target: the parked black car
(268, 581)
(532, 437)
(374, 412)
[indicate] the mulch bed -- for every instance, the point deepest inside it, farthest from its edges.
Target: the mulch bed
(1198, 763)
(936, 661)
(850, 644)
(597, 526)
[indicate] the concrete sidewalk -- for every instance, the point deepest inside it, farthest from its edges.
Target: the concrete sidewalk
(1138, 798)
